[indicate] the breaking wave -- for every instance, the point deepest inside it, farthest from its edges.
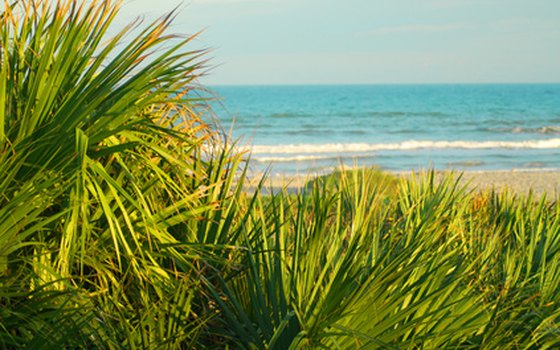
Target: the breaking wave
(306, 149)
(546, 130)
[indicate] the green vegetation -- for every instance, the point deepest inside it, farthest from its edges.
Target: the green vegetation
(124, 224)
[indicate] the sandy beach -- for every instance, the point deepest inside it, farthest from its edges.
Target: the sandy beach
(520, 182)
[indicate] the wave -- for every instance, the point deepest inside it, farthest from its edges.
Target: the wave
(401, 146)
(468, 163)
(350, 113)
(546, 130)
(290, 115)
(300, 158)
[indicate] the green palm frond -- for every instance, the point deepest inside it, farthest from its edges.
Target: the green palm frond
(102, 155)
(125, 222)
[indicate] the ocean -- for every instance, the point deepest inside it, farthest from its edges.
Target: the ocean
(313, 129)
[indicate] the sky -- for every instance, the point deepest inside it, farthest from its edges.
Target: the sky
(368, 41)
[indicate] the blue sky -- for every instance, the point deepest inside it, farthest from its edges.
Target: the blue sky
(369, 41)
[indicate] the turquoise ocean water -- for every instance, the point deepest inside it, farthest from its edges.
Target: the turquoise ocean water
(300, 129)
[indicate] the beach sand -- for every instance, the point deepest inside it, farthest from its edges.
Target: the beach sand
(517, 181)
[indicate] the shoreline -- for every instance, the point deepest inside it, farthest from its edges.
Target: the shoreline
(518, 181)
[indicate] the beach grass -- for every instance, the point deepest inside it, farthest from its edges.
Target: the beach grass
(125, 221)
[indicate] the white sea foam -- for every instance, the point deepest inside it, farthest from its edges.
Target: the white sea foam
(302, 149)
(552, 129)
(549, 129)
(299, 158)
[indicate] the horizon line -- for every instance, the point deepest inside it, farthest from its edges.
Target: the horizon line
(379, 84)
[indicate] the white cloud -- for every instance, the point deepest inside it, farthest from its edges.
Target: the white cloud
(526, 23)
(417, 28)
(512, 23)
(456, 4)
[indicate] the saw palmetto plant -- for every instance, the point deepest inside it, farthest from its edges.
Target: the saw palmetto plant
(103, 159)
(124, 221)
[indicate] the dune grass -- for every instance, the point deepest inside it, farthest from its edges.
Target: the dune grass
(124, 222)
